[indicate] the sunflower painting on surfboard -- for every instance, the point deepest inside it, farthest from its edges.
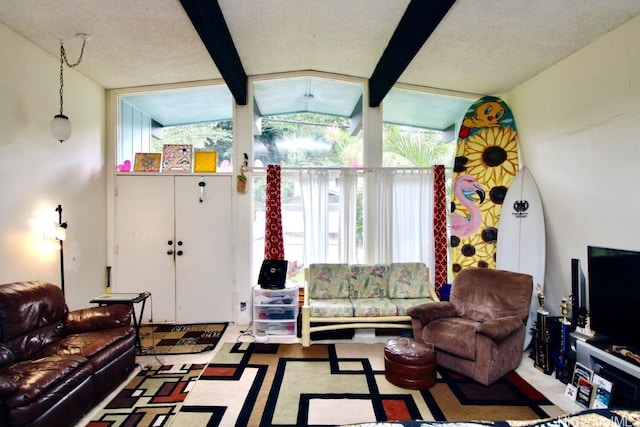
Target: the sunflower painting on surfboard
(486, 162)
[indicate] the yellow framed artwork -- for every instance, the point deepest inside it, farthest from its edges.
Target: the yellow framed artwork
(205, 161)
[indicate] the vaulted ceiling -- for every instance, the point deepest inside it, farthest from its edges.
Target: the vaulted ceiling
(478, 48)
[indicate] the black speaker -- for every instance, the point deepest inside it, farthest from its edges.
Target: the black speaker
(273, 274)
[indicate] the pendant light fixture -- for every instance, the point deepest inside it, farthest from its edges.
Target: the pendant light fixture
(60, 125)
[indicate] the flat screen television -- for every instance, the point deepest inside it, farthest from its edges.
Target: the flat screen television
(614, 294)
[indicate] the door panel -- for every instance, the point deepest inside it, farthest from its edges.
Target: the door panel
(144, 225)
(204, 271)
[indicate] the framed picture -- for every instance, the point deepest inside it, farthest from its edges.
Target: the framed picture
(176, 158)
(581, 371)
(147, 162)
(205, 161)
(602, 394)
(585, 392)
(571, 391)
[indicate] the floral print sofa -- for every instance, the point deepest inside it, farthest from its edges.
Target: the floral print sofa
(343, 296)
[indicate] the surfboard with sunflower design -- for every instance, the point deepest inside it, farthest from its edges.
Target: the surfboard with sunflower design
(486, 162)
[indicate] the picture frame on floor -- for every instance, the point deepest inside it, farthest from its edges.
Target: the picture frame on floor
(571, 391)
(603, 391)
(581, 371)
(585, 392)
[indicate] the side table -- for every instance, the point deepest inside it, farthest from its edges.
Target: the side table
(129, 299)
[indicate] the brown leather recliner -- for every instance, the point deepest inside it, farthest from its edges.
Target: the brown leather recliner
(480, 331)
(55, 365)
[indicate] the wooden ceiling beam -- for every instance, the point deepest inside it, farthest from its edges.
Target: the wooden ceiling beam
(206, 17)
(418, 22)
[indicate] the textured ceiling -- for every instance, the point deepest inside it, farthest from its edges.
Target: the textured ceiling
(479, 48)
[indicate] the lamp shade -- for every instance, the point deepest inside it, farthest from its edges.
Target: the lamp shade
(61, 127)
(60, 232)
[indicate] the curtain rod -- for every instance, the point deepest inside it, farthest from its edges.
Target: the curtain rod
(337, 168)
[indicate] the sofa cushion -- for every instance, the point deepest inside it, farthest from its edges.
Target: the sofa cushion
(409, 280)
(37, 377)
(373, 307)
(369, 281)
(27, 306)
(7, 386)
(6, 355)
(332, 307)
(30, 343)
(328, 281)
(87, 344)
(403, 304)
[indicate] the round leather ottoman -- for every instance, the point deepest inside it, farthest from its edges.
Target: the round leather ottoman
(409, 363)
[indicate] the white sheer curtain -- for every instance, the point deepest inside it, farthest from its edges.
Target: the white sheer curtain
(314, 189)
(399, 213)
(404, 216)
(348, 250)
(413, 217)
(381, 215)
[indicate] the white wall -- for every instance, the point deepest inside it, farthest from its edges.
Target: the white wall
(579, 130)
(37, 172)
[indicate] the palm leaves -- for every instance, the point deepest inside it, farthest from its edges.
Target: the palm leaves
(411, 148)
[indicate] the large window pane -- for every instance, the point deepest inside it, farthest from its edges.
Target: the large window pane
(419, 127)
(198, 116)
(308, 121)
(405, 146)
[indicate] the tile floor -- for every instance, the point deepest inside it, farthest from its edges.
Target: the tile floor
(547, 384)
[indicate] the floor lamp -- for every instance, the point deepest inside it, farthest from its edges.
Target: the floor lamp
(61, 234)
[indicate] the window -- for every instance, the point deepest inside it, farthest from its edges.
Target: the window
(419, 127)
(198, 116)
(329, 199)
(311, 206)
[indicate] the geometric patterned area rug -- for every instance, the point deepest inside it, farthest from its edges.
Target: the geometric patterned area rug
(151, 398)
(180, 339)
(253, 384)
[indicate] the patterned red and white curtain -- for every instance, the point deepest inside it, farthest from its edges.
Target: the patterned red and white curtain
(439, 227)
(273, 241)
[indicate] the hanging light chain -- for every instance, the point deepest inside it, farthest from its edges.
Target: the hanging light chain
(65, 60)
(63, 53)
(61, 76)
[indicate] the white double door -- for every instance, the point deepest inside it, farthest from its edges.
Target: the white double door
(174, 239)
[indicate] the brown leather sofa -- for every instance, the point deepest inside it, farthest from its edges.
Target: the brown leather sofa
(480, 331)
(55, 365)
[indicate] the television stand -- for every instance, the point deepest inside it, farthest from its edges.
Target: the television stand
(625, 375)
